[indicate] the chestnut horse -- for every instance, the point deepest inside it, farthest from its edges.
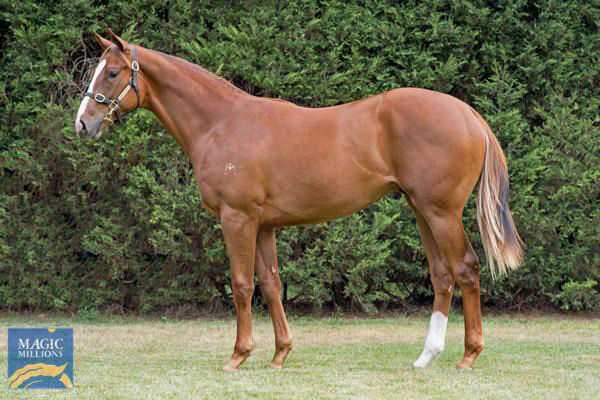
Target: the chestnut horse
(262, 163)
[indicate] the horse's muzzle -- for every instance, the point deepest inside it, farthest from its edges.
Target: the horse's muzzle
(84, 132)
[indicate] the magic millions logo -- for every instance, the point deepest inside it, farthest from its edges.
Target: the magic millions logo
(40, 358)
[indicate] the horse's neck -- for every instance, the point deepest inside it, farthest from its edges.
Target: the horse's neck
(188, 102)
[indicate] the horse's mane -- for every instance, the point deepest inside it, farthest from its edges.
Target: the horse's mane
(202, 74)
(197, 70)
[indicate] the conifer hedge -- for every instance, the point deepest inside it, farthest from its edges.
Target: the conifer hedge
(118, 225)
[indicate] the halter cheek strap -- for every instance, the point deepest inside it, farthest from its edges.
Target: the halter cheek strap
(113, 104)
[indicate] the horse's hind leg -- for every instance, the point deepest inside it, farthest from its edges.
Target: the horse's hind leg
(270, 286)
(452, 241)
(443, 286)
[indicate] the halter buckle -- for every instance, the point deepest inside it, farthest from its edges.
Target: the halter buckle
(135, 65)
(99, 97)
(113, 106)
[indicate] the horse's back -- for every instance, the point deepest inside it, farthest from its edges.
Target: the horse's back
(308, 165)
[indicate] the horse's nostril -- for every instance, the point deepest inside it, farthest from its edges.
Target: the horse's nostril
(83, 127)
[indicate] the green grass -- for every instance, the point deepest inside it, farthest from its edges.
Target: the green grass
(341, 358)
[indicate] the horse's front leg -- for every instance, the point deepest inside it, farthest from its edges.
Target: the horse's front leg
(270, 286)
(239, 231)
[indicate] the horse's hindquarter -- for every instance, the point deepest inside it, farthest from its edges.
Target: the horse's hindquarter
(436, 145)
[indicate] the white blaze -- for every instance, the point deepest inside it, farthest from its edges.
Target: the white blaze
(434, 344)
(85, 101)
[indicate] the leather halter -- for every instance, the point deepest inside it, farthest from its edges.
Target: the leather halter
(113, 104)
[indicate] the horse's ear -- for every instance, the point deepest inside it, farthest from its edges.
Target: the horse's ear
(101, 41)
(121, 43)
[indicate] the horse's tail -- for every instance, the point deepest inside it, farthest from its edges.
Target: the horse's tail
(501, 241)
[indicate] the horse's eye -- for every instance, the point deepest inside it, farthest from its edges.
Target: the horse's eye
(113, 74)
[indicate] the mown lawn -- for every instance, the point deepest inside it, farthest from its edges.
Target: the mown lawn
(340, 358)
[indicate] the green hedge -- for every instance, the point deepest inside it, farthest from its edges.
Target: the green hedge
(118, 224)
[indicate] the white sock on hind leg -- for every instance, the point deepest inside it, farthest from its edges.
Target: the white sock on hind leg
(434, 344)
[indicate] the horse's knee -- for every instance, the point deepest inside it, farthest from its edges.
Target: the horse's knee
(467, 271)
(242, 289)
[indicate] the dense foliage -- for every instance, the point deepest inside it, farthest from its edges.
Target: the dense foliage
(118, 224)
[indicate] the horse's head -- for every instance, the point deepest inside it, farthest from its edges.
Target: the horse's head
(114, 89)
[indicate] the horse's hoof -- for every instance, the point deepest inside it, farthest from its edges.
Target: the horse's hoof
(424, 360)
(280, 356)
(464, 364)
(468, 360)
(230, 368)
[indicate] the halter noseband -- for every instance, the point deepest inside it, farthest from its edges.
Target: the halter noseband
(113, 104)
